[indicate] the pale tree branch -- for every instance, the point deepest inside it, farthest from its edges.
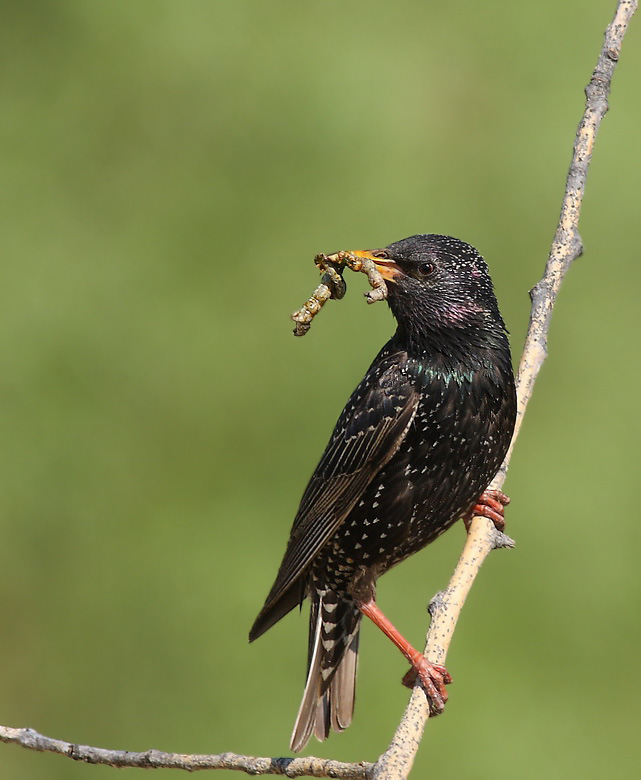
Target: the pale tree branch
(445, 608)
(156, 759)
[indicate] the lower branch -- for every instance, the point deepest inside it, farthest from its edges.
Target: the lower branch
(156, 759)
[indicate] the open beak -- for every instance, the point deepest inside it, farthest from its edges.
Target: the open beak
(388, 269)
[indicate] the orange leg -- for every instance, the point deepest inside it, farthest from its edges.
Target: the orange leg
(491, 504)
(434, 677)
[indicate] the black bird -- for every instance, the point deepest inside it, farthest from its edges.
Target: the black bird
(413, 451)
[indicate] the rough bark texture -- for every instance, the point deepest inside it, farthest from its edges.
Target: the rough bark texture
(156, 759)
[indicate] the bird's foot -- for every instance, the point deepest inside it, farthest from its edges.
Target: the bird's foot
(434, 678)
(491, 504)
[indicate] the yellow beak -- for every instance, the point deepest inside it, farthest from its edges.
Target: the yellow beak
(388, 269)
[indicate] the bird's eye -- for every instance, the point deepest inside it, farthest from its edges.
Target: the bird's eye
(380, 254)
(425, 269)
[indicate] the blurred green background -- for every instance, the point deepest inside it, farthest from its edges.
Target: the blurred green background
(169, 171)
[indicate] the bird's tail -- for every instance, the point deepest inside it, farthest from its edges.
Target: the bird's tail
(328, 700)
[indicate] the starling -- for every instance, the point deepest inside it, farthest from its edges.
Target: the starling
(414, 450)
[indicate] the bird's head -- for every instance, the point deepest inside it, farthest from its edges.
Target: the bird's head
(437, 285)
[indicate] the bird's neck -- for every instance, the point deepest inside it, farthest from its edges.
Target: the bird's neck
(455, 350)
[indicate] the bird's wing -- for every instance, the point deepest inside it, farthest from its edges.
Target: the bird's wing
(367, 434)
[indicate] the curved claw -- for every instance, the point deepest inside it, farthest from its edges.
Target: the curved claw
(491, 504)
(434, 678)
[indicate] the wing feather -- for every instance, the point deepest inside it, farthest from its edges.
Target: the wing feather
(368, 433)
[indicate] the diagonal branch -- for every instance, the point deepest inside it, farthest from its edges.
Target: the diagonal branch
(445, 608)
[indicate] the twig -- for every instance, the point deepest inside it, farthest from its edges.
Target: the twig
(156, 759)
(482, 538)
(445, 609)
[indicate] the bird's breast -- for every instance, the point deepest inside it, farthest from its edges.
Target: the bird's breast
(452, 449)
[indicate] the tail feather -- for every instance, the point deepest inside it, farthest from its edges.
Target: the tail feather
(328, 700)
(344, 687)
